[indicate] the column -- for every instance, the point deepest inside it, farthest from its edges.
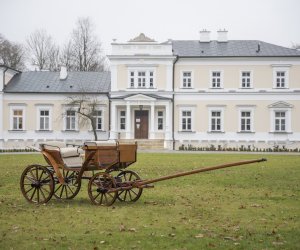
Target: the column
(128, 121)
(168, 122)
(152, 121)
(113, 119)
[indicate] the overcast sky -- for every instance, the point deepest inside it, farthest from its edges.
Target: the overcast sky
(274, 21)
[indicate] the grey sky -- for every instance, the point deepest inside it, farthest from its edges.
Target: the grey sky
(274, 21)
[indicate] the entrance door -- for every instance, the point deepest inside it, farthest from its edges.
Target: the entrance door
(141, 124)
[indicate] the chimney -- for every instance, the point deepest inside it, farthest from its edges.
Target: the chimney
(204, 36)
(63, 73)
(222, 36)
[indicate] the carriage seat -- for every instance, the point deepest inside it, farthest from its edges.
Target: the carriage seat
(71, 156)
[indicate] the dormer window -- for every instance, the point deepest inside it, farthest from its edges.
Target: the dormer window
(141, 79)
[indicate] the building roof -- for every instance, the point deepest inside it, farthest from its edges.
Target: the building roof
(231, 48)
(142, 38)
(49, 82)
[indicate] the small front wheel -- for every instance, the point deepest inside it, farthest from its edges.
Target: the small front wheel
(37, 184)
(99, 189)
(68, 190)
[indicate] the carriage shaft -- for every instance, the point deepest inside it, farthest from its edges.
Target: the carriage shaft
(145, 182)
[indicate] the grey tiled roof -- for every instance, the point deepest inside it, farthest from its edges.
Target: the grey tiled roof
(150, 95)
(232, 48)
(49, 82)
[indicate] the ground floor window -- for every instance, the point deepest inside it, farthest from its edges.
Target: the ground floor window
(70, 120)
(186, 120)
(44, 119)
(216, 121)
(280, 121)
(98, 119)
(122, 120)
(245, 121)
(160, 120)
(18, 119)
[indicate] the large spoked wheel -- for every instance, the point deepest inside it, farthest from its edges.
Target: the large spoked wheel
(132, 194)
(37, 184)
(68, 190)
(98, 189)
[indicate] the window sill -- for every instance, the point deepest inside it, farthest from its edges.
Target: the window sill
(246, 132)
(216, 88)
(70, 131)
(16, 131)
(246, 88)
(216, 132)
(186, 88)
(280, 88)
(98, 131)
(280, 132)
(186, 131)
(43, 131)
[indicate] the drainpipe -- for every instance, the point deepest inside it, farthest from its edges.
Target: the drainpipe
(173, 104)
(109, 105)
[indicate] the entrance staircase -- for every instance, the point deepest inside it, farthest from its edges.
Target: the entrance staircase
(146, 144)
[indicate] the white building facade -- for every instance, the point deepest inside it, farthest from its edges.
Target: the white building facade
(225, 93)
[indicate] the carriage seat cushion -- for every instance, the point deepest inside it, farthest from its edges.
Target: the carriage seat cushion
(69, 152)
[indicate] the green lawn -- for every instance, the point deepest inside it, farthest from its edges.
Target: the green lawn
(254, 206)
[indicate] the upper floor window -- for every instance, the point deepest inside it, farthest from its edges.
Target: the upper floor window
(246, 79)
(216, 79)
(18, 119)
(141, 79)
(160, 120)
(186, 79)
(122, 120)
(280, 76)
(280, 79)
(70, 120)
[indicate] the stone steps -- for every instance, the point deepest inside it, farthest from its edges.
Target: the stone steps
(146, 144)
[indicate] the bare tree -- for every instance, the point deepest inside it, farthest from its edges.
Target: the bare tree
(83, 52)
(42, 50)
(11, 54)
(86, 107)
(65, 57)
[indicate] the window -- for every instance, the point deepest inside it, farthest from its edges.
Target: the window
(44, 119)
(186, 79)
(122, 120)
(216, 79)
(132, 79)
(215, 121)
(151, 79)
(70, 120)
(245, 121)
(280, 121)
(186, 120)
(141, 79)
(281, 76)
(18, 119)
(98, 119)
(280, 79)
(246, 79)
(160, 120)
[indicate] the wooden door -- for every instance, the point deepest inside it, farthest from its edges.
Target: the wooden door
(141, 124)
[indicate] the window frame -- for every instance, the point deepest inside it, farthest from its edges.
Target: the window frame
(212, 77)
(65, 119)
(250, 77)
(14, 108)
(122, 117)
(186, 109)
(216, 109)
(102, 119)
(160, 117)
(251, 118)
(182, 72)
(44, 108)
(286, 77)
(288, 119)
(133, 80)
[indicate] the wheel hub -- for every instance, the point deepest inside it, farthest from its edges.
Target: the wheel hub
(36, 185)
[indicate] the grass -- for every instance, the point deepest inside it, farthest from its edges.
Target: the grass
(254, 206)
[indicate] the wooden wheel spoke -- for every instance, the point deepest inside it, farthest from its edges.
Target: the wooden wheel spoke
(43, 194)
(101, 199)
(29, 178)
(110, 195)
(38, 195)
(97, 195)
(32, 174)
(33, 193)
(129, 192)
(62, 190)
(58, 188)
(66, 191)
(70, 189)
(42, 188)
(132, 190)
(29, 190)
(106, 198)
(42, 173)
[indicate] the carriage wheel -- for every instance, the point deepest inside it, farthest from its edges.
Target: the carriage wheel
(37, 184)
(68, 190)
(132, 194)
(98, 188)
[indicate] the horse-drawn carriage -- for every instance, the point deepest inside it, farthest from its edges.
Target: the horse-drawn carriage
(69, 165)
